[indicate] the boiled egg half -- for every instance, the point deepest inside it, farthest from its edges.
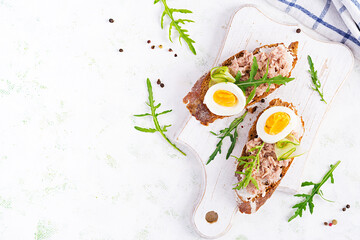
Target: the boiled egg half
(225, 99)
(276, 123)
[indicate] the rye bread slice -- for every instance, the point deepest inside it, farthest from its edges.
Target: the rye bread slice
(195, 98)
(251, 205)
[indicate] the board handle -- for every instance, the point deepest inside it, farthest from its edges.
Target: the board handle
(211, 220)
(217, 206)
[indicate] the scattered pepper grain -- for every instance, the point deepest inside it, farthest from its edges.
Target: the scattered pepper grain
(348, 206)
(170, 50)
(334, 222)
(153, 46)
(253, 109)
(262, 100)
(344, 209)
(158, 81)
(148, 41)
(162, 85)
(325, 223)
(298, 30)
(121, 50)
(175, 55)
(111, 20)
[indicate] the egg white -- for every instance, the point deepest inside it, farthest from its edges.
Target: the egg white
(294, 124)
(222, 110)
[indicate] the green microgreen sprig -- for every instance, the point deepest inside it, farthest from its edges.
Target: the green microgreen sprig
(183, 33)
(154, 116)
(227, 132)
(249, 163)
(252, 82)
(315, 80)
(308, 198)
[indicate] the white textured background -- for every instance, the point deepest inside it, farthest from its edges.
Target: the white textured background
(73, 167)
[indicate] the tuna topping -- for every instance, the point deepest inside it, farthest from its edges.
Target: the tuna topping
(270, 168)
(280, 63)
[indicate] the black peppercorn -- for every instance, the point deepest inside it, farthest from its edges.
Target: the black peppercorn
(111, 20)
(262, 100)
(148, 41)
(153, 46)
(175, 55)
(158, 81)
(348, 206)
(298, 30)
(344, 209)
(121, 50)
(253, 109)
(162, 85)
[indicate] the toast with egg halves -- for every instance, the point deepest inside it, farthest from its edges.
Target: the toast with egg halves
(250, 198)
(242, 61)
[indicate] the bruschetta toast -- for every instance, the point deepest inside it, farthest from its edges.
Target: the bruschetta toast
(273, 143)
(272, 60)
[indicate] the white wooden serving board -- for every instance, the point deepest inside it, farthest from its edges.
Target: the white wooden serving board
(249, 29)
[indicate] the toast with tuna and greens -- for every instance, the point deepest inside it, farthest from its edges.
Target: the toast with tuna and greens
(267, 173)
(279, 59)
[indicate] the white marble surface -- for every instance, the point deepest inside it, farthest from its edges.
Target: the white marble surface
(73, 167)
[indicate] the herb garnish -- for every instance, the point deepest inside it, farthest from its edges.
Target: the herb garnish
(316, 190)
(154, 115)
(176, 23)
(249, 163)
(251, 82)
(227, 133)
(315, 79)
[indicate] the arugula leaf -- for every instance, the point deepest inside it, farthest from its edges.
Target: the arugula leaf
(227, 133)
(308, 201)
(154, 115)
(304, 184)
(183, 33)
(254, 69)
(149, 130)
(237, 77)
(275, 80)
(251, 96)
(248, 167)
(315, 79)
(251, 82)
(233, 142)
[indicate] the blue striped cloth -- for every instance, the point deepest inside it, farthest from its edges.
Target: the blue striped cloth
(337, 20)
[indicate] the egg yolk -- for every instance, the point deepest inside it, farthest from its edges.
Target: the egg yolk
(225, 98)
(276, 123)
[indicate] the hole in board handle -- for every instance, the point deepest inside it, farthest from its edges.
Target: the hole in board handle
(211, 217)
